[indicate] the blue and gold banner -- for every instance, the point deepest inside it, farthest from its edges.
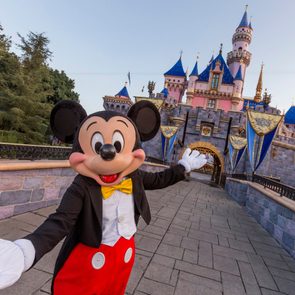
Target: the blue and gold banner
(237, 146)
(168, 135)
(261, 130)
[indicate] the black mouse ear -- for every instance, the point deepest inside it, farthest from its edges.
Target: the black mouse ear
(146, 117)
(65, 119)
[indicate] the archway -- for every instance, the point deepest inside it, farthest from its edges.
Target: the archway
(216, 167)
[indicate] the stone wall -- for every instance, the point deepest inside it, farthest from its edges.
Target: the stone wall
(275, 214)
(151, 167)
(238, 191)
(26, 190)
(23, 190)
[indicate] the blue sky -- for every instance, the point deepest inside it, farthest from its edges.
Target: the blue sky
(98, 42)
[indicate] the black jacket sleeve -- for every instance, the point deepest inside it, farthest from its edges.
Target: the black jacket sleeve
(164, 178)
(58, 224)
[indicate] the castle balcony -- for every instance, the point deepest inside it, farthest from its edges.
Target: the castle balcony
(213, 93)
(177, 121)
(117, 99)
(238, 56)
(242, 36)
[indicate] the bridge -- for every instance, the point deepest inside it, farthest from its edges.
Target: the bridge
(200, 241)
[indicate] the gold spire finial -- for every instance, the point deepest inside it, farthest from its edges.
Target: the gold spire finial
(258, 95)
(246, 7)
(198, 55)
(181, 51)
(126, 83)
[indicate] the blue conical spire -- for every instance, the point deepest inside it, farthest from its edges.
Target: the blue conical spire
(244, 22)
(123, 92)
(165, 92)
(239, 74)
(290, 116)
(176, 70)
(195, 70)
(212, 58)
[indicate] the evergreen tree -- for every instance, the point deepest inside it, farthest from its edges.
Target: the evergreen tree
(62, 87)
(28, 89)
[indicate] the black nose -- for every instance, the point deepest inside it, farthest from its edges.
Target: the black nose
(107, 152)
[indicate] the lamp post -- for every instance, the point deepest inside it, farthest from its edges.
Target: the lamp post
(185, 126)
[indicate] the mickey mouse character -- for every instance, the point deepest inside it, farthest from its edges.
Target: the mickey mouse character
(100, 210)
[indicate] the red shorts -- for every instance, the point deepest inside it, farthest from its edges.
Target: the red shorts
(96, 271)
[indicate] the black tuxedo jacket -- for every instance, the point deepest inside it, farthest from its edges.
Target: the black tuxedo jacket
(79, 216)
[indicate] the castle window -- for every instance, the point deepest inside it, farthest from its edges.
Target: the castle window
(215, 81)
(211, 103)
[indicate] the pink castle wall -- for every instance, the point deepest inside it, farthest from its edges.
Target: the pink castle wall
(175, 93)
(225, 105)
(199, 102)
(240, 106)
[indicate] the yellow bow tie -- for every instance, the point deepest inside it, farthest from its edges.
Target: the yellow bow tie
(125, 187)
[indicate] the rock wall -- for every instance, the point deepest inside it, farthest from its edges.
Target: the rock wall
(26, 190)
(275, 214)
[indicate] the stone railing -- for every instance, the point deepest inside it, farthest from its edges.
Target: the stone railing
(273, 184)
(33, 152)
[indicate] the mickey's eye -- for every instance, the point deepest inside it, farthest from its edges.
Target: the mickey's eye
(118, 141)
(97, 142)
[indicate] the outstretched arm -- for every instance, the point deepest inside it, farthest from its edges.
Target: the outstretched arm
(164, 178)
(17, 257)
(189, 161)
(58, 224)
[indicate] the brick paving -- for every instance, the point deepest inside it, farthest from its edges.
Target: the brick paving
(199, 242)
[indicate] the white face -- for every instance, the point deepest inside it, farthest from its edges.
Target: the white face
(94, 134)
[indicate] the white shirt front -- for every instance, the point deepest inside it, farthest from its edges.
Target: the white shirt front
(117, 218)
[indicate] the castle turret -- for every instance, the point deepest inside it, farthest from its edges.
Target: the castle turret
(240, 55)
(121, 102)
(193, 77)
(175, 81)
(238, 82)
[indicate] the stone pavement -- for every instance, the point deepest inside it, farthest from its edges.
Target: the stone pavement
(199, 242)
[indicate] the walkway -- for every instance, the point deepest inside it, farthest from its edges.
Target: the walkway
(199, 242)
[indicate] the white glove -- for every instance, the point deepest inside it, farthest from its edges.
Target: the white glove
(192, 160)
(15, 258)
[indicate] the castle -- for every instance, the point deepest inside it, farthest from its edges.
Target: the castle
(214, 106)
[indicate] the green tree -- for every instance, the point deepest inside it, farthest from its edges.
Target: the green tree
(63, 87)
(28, 89)
(11, 85)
